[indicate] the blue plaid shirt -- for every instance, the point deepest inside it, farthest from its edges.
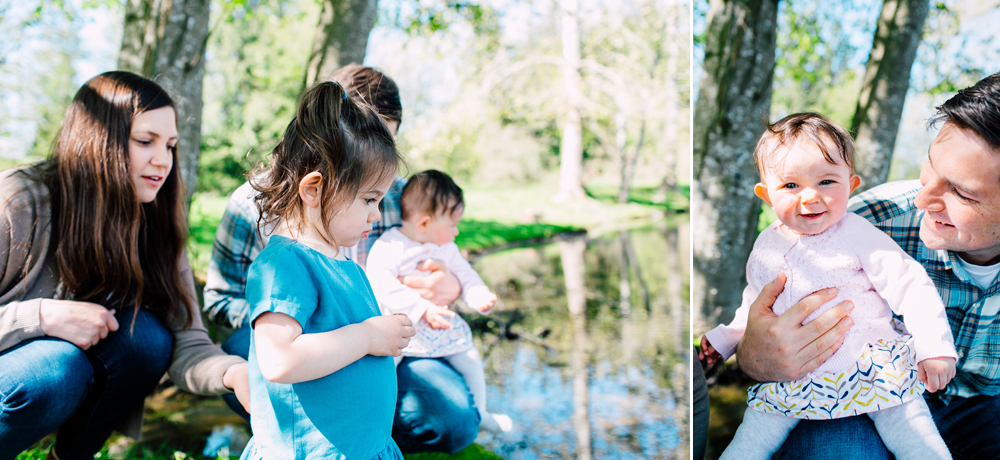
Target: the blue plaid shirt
(972, 312)
(237, 244)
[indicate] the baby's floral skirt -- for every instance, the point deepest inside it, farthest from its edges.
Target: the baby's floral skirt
(435, 343)
(884, 376)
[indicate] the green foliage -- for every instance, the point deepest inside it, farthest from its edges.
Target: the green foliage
(817, 65)
(133, 452)
(253, 79)
(473, 452)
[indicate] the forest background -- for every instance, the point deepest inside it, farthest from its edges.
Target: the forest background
(494, 92)
(554, 115)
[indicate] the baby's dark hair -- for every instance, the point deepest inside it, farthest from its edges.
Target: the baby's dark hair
(430, 192)
(346, 142)
(831, 139)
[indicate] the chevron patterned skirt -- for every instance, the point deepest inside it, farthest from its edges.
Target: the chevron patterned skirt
(884, 376)
(435, 343)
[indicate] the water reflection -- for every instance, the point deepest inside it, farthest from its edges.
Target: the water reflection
(587, 352)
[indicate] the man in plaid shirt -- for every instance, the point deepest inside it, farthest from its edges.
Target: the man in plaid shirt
(434, 408)
(949, 221)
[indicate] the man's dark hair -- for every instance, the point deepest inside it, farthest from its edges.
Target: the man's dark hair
(430, 192)
(975, 108)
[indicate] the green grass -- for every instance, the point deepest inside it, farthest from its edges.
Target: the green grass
(473, 452)
(650, 196)
(134, 451)
(165, 452)
(475, 235)
(493, 217)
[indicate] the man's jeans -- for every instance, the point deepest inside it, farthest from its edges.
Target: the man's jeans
(48, 384)
(434, 408)
(967, 426)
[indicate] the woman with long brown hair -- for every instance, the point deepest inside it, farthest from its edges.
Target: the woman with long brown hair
(97, 300)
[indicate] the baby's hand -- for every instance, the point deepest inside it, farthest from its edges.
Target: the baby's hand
(487, 304)
(936, 372)
(434, 317)
(389, 334)
(707, 352)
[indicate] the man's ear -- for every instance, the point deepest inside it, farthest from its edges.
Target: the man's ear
(855, 182)
(311, 189)
(761, 191)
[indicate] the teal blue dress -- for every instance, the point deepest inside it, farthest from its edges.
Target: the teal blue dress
(345, 415)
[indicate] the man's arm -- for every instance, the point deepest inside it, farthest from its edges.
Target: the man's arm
(779, 348)
(237, 243)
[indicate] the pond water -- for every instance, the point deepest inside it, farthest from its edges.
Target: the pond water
(588, 349)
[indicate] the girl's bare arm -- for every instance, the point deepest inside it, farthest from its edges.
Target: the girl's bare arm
(286, 355)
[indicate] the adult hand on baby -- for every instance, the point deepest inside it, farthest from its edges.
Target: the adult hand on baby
(81, 323)
(779, 348)
(433, 316)
(388, 335)
(440, 287)
(936, 372)
(707, 352)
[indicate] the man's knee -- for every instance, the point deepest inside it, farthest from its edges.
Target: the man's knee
(434, 409)
(839, 439)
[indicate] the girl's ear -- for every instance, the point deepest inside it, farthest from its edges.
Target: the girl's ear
(761, 191)
(311, 189)
(855, 182)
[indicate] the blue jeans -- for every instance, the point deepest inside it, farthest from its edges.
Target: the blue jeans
(963, 424)
(48, 384)
(434, 408)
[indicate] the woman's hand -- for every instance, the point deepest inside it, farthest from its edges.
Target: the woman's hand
(81, 323)
(237, 380)
(388, 335)
(440, 287)
(433, 316)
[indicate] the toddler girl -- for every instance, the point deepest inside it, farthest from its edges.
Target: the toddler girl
(806, 167)
(321, 381)
(432, 206)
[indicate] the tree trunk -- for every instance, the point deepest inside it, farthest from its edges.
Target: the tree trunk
(341, 37)
(571, 146)
(165, 40)
(735, 91)
(887, 78)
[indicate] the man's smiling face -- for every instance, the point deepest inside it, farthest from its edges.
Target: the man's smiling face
(961, 194)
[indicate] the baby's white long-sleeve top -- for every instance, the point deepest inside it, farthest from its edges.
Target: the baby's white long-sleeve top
(395, 255)
(867, 268)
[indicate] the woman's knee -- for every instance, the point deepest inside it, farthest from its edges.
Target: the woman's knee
(44, 381)
(142, 350)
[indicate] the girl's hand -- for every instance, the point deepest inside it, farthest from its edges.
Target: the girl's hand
(433, 316)
(81, 323)
(388, 335)
(936, 372)
(708, 353)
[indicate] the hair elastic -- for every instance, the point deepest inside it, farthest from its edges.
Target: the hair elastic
(345, 95)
